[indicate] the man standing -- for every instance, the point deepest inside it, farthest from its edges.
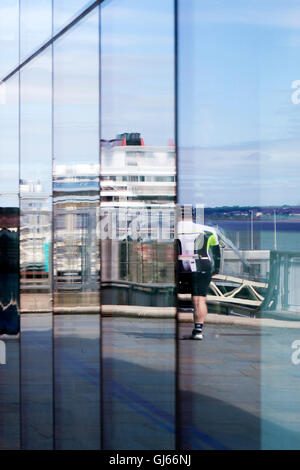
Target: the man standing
(199, 255)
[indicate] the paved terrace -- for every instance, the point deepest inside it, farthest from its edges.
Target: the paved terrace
(238, 388)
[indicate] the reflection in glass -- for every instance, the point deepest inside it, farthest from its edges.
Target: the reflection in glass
(219, 168)
(35, 25)
(137, 222)
(9, 203)
(35, 252)
(137, 225)
(279, 224)
(75, 242)
(76, 257)
(9, 269)
(65, 11)
(9, 36)
(240, 158)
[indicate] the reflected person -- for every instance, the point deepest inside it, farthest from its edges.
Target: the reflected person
(199, 258)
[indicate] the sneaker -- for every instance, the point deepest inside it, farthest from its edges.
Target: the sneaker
(197, 334)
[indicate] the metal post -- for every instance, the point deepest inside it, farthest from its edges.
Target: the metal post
(275, 231)
(251, 230)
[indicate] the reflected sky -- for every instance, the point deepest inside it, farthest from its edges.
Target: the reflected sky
(66, 10)
(35, 25)
(36, 122)
(9, 146)
(137, 69)
(9, 35)
(238, 61)
(76, 94)
(237, 65)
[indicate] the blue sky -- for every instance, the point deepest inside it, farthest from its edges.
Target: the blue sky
(137, 47)
(238, 129)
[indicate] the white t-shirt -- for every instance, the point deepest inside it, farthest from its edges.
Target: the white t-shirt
(188, 232)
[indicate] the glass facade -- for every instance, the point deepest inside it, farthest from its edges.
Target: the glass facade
(35, 251)
(149, 172)
(9, 270)
(75, 240)
(219, 169)
(137, 210)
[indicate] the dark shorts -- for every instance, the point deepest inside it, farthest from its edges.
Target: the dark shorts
(201, 280)
(200, 283)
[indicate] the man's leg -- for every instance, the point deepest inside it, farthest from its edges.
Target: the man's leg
(200, 308)
(200, 285)
(200, 312)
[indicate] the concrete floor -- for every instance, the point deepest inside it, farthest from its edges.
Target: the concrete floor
(238, 388)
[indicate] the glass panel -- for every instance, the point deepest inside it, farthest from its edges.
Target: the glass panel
(65, 11)
(137, 224)
(35, 25)
(9, 36)
(9, 267)
(35, 252)
(219, 170)
(75, 255)
(279, 222)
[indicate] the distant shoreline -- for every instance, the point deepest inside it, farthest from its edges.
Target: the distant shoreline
(258, 224)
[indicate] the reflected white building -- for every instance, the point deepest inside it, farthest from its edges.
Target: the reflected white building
(135, 176)
(138, 200)
(137, 183)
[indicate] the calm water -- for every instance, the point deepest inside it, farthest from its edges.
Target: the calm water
(239, 232)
